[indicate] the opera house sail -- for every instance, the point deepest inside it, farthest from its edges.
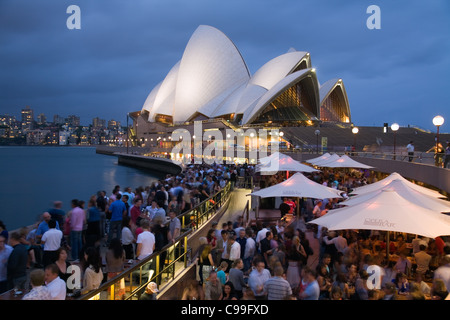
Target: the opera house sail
(212, 81)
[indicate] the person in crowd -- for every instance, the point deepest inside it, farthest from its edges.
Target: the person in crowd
(277, 287)
(117, 211)
(93, 273)
(439, 290)
(311, 290)
(213, 287)
(115, 264)
(193, 291)
(63, 264)
(17, 263)
(128, 239)
(51, 240)
(228, 292)
(389, 291)
(56, 286)
(77, 221)
(39, 291)
(221, 272)
(443, 271)
(236, 276)
(162, 235)
(257, 278)
(145, 241)
(206, 260)
(93, 234)
(174, 226)
(5, 252)
(422, 260)
(43, 226)
(151, 292)
(57, 213)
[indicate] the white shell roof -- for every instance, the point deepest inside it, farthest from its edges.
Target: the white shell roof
(326, 88)
(164, 100)
(275, 91)
(210, 65)
(277, 68)
(149, 102)
(212, 79)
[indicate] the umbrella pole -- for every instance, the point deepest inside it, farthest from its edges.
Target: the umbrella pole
(387, 246)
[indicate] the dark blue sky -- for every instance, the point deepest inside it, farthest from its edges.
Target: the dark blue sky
(399, 73)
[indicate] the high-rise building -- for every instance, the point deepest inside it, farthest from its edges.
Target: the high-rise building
(98, 123)
(73, 121)
(27, 118)
(57, 119)
(41, 119)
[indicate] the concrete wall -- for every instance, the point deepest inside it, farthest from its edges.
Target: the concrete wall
(439, 178)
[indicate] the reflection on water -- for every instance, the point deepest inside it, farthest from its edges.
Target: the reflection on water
(33, 177)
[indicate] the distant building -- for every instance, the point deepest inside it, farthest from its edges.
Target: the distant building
(113, 125)
(41, 119)
(73, 121)
(37, 137)
(98, 123)
(27, 118)
(57, 119)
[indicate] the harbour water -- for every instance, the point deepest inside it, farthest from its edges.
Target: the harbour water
(31, 178)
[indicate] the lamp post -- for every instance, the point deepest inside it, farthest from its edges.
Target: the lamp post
(128, 129)
(317, 133)
(394, 128)
(437, 121)
(355, 130)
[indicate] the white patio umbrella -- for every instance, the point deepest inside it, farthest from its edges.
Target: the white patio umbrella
(343, 162)
(322, 157)
(281, 162)
(406, 192)
(387, 211)
(395, 176)
(331, 158)
(298, 186)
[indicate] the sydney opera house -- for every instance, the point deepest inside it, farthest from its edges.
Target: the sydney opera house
(212, 81)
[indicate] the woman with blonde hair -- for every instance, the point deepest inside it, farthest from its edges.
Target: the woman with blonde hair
(205, 260)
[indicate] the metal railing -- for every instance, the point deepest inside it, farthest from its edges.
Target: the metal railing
(132, 282)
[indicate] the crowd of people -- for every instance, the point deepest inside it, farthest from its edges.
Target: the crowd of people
(279, 262)
(100, 237)
(235, 261)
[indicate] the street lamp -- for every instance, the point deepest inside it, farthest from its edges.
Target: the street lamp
(394, 128)
(355, 130)
(128, 115)
(317, 133)
(437, 121)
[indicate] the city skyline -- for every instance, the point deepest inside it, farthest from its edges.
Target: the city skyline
(108, 67)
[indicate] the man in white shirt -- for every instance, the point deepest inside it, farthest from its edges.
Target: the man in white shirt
(151, 210)
(422, 260)
(235, 250)
(261, 234)
(145, 241)
(339, 242)
(250, 249)
(51, 240)
(257, 279)
(55, 285)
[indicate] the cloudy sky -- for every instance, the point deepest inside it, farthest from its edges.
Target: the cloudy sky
(399, 73)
